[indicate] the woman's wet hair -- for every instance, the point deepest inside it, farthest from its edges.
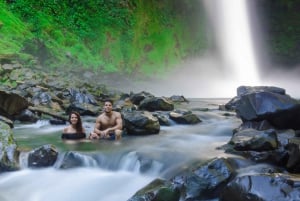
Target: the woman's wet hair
(79, 127)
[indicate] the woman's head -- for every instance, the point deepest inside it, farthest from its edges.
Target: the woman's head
(75, 119)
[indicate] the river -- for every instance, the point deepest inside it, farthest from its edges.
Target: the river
(114, 171)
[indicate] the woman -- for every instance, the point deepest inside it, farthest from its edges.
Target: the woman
(75, 129)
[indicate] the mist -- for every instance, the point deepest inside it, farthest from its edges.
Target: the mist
(237, 57)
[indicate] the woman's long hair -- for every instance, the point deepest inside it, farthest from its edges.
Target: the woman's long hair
(79, 127)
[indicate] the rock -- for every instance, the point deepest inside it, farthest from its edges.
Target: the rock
(293, 163)
(12, 103)
(177, 98)
(72, 160)
(184, 117)
(138, 97)
(254, 140)
(203, 180)
(242, 90)
(140, 123)
(281, 111)
(9, 153)
(7, 121)
(26, 116)
(157, 190)
(261, 187)
(156, 104)
(44, 156)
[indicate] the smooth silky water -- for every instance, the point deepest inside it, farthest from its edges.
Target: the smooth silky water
(112, 171)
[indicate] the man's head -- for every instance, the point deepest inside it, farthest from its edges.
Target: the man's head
(108, 105)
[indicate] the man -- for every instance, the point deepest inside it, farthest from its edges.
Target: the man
(109, 124)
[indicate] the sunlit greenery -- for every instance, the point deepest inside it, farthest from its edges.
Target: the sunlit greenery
(131, 36)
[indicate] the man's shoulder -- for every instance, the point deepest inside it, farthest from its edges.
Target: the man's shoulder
(116, 113)
(100, 116)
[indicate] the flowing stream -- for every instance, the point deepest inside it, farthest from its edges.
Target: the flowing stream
(114, 171)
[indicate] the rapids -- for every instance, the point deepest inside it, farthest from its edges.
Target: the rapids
(114, 171)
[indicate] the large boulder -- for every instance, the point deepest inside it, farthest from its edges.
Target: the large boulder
(203, 182)
(12, 103)
(251, 139)
(8, 149)
(157, 190)
(271, 104)
(43, 156)
(261, 187)
(139, 97)
(184, 117)
(141, 123)
(156, 103)
(242, 90)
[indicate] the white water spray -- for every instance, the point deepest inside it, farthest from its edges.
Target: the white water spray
(233, 35)
(217, 73)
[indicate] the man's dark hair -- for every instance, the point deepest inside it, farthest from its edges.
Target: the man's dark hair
(109, 100)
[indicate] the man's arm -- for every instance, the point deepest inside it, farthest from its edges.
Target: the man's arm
(97, 126)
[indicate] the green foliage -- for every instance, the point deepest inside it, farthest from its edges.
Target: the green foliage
(131, 36)
(12, 32)
(283, 31)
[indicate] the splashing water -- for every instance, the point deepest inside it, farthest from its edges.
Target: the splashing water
(233, 35)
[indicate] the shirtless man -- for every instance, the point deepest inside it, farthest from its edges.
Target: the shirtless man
(108, 125)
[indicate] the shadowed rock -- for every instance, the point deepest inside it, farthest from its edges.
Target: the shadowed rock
(8, 149)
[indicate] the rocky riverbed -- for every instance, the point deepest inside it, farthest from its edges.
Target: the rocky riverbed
(263, 161)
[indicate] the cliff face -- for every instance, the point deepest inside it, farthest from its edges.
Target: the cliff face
(280, 22)
(110, 36)
(130, 36)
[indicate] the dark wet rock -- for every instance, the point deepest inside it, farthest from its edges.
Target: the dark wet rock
(76, 96)
(205, 180)
(293, 163)
(184, 117)
(27, 116)
(178, 98)
(83, 109)
(257, 125)
(242, 90)
(11, 103)
(156, 104)
(157, 190)
(163, 118)
(44, 156)
(73, 159)
(57, 122)
(7, 121)
(125, 105)
(281, 111)
(139, 97)
(42, 98)
(8, 149)
(140, 123)
(261, 187)
(254, 140)
(44, 110)
(284, 137)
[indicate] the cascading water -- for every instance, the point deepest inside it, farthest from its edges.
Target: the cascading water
(114, 171)
(230, 61)
(234, 40)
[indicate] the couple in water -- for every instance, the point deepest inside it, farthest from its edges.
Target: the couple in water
(108, 125)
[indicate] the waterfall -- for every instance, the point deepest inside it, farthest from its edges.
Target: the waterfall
(229, 62)
(234, 40)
